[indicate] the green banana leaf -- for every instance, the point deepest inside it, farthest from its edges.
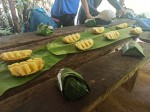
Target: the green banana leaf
(3, 66)
(72, 84)
(133, 48)
(8, 81)
(58, 47)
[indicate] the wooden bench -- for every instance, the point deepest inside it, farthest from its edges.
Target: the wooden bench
(104, 71)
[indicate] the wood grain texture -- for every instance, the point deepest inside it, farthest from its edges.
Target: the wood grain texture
(130, 83)
(72, 61)
(69, 61)
(145, 37)
(103, 75)
(18, 40)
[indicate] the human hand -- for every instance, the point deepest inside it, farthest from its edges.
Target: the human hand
(89, 16)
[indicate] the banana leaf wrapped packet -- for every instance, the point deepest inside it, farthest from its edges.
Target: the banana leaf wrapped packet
(72, 84)
(44, 29)
(133, 49)
(90, 22)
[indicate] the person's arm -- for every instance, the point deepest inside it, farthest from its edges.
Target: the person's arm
(86, 9)
(116, 4)
(93, 11)
(122, 2)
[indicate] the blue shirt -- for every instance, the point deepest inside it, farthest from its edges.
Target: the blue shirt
(61, 7)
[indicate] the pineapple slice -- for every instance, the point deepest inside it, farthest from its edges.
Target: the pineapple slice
(98, 30)
(136, 31)
(84, 44)
(121, 26)
(26, 67)
(71, 38)
(15, 55)
(112, 35)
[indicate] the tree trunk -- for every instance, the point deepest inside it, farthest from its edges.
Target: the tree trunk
(25, 17)
(14, 16)
(20, 17)
(1, 21)
(7, 13)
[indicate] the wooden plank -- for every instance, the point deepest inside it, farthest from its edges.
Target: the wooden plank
(25, 39)
(28, 41)
(69, 61)
(18, 40)
(103, 74)
(128, 85)
(145, 37)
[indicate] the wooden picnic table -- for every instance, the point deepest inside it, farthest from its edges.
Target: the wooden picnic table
(103, 69)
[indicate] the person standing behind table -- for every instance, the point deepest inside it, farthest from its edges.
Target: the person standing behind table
(64, 11)
(93, 4)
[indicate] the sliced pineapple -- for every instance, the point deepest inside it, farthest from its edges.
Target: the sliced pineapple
(98, 30)
(136, 31)
(121, 26)
(26, 67)
(112, 35)
(15, 55)
(71, 38)
(84, 44)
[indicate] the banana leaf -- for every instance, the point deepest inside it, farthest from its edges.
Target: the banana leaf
(132, 49)
(3, 66)
(58, 47)
(72, 84)
(8, 81)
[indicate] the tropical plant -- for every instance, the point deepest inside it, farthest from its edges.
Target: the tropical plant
(14, 13)
(6, 31)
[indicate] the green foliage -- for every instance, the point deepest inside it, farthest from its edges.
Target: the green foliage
(6, 31)
(142, 15)
(22, 6)
(3, 20)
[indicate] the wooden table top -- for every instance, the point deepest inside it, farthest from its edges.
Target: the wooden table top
(145, 37)
(102, 72)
